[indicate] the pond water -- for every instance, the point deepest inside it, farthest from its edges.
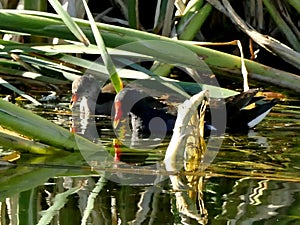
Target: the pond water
(254, 178)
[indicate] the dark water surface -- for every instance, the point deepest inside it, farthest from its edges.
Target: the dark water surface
(254, 179)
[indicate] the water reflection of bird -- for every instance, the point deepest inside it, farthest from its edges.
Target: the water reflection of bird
(150, 115)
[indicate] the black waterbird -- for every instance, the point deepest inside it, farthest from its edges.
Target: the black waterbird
(149, 115)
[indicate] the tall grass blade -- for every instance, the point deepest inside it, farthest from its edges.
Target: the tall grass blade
(133, 14)
(282, 25)
(74, 28)
(295, 4)
(167, 25)
(115, 79)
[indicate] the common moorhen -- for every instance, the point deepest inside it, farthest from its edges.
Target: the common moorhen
(92, 100)
(244, 111)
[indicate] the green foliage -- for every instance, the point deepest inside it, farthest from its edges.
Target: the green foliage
(55, 64)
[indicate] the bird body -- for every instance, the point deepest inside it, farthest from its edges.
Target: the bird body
(246, 110)
(148, 115)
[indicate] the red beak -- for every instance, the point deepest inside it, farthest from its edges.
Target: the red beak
(74, 99)
(118, 113)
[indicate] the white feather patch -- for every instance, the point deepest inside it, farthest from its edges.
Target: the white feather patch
(258, 119)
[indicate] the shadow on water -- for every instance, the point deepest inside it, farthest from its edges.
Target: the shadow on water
(254, 179)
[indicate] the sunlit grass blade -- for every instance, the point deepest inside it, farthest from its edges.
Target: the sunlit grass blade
(40, 129)
(115, 79)
(24, 145)
(47, 24)
(74, 28)
(193, 20)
